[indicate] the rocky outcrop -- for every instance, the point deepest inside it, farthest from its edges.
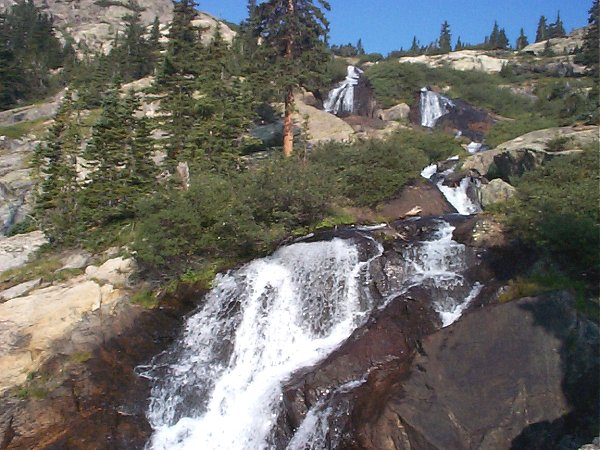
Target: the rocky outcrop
(16, 250)
(30, 113)
(34, 325)
(517, 375)
(461, 60)
(559, 46)
(529, 151)
(495, 191)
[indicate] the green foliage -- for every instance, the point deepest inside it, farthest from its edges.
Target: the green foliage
(42, 267)
(395, 83)
(445, 39)
(145, 298)
(505, 130)
(540, 282)
(29, 51)
(21, 129)
(589, 53)
(556, 212)
(26, 226)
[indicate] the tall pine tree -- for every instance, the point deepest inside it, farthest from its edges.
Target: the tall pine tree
(522, 41)
(445, 39)
(542, 30)
(294, 34)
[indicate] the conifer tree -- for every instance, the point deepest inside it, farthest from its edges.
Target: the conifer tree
(589, 55)
(56, 201)
(542, 30)
(445, 38)
(556, 29)
(459, 45)
(522, 41)
(415, 48)
(294, 34)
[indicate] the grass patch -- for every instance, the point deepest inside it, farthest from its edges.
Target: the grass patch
(41, 267)
(21, 129)
(81, 357)
(145, 298)
(32, 392)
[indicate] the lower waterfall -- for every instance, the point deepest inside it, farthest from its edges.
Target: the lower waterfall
(219, 387)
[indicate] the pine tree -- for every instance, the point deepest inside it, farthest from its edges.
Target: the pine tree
(445, 39)
(459, 45)
(542, 30)
(415, 48)
(360, 50)
(556, 29)
(56, 205)
(294, 34)
(589, 55)
(522, 41)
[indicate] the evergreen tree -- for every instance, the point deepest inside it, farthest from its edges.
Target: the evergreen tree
(56, 205)
(497, 40)
(542, 30)
(360, 50)
(459, 45)
(118, 156)
(445, 39)
(294, 34)
(522, 41)
(415, 49)
(589, 55)
(556, 29)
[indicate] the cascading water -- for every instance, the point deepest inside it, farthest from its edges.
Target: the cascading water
(219, 387)
(340, 100)
(457, 196)
(436, 266)
(432, 107)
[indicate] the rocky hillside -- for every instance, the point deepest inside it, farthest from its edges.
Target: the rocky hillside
(94, 23)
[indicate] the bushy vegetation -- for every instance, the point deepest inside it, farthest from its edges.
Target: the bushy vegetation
(556, 213)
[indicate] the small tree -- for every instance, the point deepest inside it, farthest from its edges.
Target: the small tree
(542, 30)
(522, 41)
(445, 38)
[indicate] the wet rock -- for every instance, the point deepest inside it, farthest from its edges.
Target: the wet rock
(495, 191)
(418, 193)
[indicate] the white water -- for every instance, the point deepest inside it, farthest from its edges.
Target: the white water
(457, 196)
(341, 99)
(433, 106)
(259, 324)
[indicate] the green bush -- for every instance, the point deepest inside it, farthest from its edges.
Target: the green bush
(556, 213)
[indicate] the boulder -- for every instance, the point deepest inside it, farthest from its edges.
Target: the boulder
(31, 112)
(398, 112)
(495, 191)
(528, 151)
(115, 271)
(19, 290)
(16, 250)
(76, 260)
(321, 126)
(419, 193)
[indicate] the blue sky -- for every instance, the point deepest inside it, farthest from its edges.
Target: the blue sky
(386, 25)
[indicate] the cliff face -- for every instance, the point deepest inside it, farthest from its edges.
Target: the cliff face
(94, 23)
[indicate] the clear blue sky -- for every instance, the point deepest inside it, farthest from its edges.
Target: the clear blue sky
(386, 25)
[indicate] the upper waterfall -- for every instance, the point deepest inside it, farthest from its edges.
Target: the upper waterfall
(340, 100)
(432, 107)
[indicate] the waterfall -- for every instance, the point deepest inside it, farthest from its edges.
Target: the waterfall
(457, 196)
(219, 387)
(340, 100)
(433, 106)
(436, 265)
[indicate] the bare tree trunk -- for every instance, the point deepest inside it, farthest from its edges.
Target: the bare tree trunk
(288, 124)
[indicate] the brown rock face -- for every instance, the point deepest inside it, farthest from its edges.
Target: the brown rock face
(419, 193)
(521, 375)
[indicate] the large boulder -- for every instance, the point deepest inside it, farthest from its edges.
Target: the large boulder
(495, 191)
(31, 112)
(559, 46)
(529, 151)
(321, 126)
(398, 112)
